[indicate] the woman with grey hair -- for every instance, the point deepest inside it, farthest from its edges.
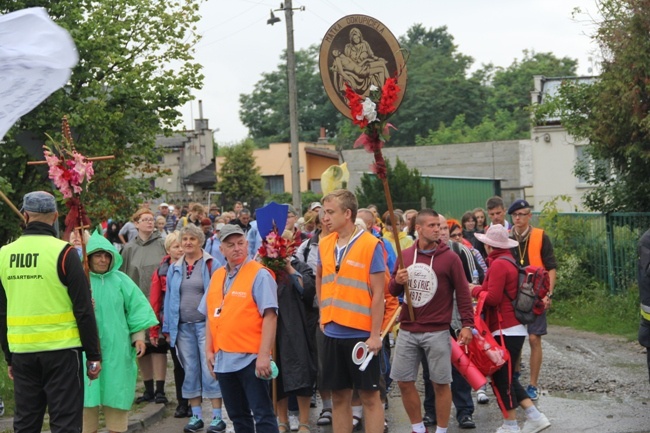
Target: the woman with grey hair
(184, 326)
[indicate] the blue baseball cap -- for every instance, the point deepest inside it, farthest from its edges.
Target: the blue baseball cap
(39, 202)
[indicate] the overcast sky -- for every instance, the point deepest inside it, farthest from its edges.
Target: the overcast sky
(238, 46)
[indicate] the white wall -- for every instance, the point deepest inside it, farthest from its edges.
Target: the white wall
(553, 158)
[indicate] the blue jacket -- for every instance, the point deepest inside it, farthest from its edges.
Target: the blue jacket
(212, 247)
(172, 315)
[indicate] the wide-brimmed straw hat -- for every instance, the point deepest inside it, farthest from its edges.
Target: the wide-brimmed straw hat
(497, 237)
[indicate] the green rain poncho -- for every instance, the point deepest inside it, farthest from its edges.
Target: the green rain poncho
(121, 310)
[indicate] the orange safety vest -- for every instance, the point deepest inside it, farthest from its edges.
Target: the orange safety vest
(535, 239)
(235, 321)
(346, 296)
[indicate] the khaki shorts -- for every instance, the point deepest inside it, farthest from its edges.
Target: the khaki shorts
(408, 355)
(117, 420)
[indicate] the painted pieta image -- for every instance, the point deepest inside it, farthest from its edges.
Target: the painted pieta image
(360, 51)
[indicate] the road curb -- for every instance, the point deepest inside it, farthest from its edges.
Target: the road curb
(139, 420)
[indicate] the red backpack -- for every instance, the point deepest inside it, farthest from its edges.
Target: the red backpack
(531, 290)
(484, 351)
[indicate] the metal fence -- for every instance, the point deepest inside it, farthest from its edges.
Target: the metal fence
(606, 244)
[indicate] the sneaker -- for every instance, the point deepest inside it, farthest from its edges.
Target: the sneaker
(194, 425)
(466, 422)
(534, 426)
(216, 426)
(313, 403)
(181, 410)
(482, 397)
(516, 375)
(504, 429)
(294, 423)
(325, 417)
(160, 398)
(532, 392)
(2, 407)
(429, 420)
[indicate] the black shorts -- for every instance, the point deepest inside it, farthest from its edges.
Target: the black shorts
(340, 372)
(162, 348)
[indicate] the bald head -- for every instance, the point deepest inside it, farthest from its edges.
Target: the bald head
(444, 229)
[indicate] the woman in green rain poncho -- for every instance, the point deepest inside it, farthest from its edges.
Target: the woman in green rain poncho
(123, 315)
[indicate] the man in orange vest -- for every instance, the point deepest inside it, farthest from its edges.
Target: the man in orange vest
(241, 306)
(350, 281)
(535, 249)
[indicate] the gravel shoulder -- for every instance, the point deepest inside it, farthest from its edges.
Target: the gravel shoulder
(593, 365)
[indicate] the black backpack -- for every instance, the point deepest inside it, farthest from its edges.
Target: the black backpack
(531, 290)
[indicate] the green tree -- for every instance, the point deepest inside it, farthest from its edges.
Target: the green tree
(612, 113)
(239, 178)
(136, 69)
(502, 127)
(265, 111)
(407, 188)
(509, 88)
(438, 89)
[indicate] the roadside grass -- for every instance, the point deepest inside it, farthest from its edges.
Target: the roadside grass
(598, 311)
(6, 390)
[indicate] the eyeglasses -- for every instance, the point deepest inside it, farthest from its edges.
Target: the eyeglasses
(520, 214)
(456, 235)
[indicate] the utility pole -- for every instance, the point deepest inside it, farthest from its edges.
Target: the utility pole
(288, 9)
(293, 109)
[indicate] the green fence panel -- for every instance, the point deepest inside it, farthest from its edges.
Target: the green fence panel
(607, 244)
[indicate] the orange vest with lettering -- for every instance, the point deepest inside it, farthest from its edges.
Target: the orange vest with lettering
(535, 239)
(238, 326)
(346, 296)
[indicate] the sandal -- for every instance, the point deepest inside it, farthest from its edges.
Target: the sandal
(304, 428)
(283, 427)
(325, 417)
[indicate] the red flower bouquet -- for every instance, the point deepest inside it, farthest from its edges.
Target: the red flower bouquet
(276, 249)
(371, 115)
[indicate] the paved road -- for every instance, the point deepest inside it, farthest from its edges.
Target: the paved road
(567, 413)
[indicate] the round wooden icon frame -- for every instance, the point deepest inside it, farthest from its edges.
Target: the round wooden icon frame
(383, 44)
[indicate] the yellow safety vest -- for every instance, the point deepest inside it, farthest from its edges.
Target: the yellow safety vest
(39, 308)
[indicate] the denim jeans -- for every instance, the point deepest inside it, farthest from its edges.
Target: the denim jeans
(243, 392)
(190, 348)
(461, 393)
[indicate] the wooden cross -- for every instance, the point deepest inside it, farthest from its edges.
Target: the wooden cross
(79, 227)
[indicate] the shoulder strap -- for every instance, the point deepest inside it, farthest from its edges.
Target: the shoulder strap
(514, 263)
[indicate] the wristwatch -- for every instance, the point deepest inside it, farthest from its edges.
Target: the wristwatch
(471, 328)
(549, 295)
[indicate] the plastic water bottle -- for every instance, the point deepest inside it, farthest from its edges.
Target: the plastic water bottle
(475, 277)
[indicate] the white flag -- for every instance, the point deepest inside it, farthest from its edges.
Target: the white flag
(36, 58)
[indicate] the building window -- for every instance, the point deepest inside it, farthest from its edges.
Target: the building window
(596, 167)
(582, 157)
(315, 186)
(274, 184)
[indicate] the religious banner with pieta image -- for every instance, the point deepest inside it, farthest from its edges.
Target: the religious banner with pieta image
(360, 51)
